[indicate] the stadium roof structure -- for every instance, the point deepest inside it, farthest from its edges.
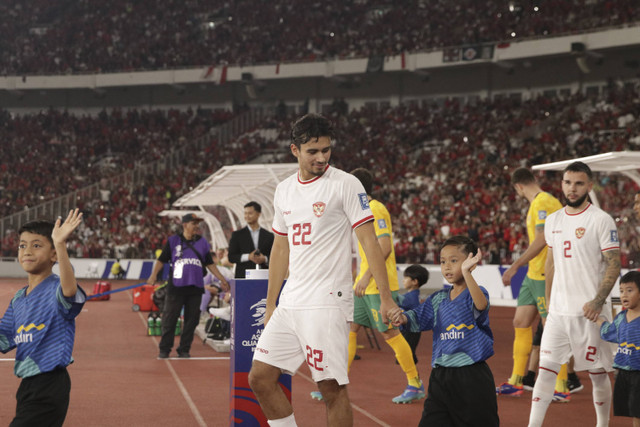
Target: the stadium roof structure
(232, 187)
(624, 162)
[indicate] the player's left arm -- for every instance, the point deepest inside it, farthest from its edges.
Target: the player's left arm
(592, 309)
(60, 234)
(385, 245)
(367, 238)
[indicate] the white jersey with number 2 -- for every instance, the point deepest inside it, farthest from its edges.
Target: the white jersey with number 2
(318, 217)
(578, 241)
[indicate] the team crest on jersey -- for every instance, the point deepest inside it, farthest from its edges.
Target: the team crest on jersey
(580, 232)
(318, 208)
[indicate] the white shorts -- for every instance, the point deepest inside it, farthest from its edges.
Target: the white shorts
(319, 336)
(567, 335)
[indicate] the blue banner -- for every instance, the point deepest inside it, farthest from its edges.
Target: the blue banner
(248, 308)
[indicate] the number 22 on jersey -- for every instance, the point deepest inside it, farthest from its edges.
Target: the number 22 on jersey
(301, 234)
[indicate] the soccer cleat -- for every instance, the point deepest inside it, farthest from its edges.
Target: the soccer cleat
(509, 390)
(574, 385)
(561, 397)
(163, 355)
(410, 394)
(316, 395)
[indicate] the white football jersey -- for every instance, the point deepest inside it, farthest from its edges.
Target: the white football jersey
(318, 217)
(577, 241)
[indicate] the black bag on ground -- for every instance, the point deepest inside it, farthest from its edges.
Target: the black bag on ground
(217, 329)
(158, 297)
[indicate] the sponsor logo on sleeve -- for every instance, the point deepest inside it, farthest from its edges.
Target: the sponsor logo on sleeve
(542, 214)
(364, 201)
(614, 236)
(382, 223)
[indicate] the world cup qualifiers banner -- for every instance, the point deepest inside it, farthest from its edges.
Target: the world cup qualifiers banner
(248, 307)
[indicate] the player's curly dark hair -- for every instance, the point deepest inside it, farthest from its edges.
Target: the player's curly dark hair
(310, 126)
(466, 244)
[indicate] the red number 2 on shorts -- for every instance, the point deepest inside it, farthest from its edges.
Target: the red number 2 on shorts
(314, 359)
(591, 353)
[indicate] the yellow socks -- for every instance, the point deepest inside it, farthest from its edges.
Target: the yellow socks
(405, 359)
(521, 349)
(561, 380)
(353, 344)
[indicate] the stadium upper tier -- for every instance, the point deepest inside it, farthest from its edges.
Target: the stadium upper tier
(440, 169)
(90, 36)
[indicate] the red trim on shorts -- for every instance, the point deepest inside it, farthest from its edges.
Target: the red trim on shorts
(362, 221)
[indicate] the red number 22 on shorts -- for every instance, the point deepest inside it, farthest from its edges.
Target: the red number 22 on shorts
(314, 359)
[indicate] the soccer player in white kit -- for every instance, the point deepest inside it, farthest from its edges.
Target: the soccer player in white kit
(583, 264)
(315, 211)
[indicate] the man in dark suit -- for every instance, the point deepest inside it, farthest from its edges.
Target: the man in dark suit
(251, 245)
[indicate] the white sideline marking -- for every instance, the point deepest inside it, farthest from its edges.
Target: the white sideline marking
(183, 390)
(7, 360)
(354, 406)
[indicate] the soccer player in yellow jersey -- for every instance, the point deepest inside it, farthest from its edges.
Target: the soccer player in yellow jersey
(531, 299)
(367, 299)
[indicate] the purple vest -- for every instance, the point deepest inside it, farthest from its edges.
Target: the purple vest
(186, 268)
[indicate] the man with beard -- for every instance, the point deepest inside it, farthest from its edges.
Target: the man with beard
(583, 264)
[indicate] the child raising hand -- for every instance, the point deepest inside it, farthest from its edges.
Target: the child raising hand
(461, 386)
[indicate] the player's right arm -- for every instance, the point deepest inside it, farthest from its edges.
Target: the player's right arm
(278, 267)
(532, 251)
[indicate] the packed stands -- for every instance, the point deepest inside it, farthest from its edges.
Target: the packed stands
(440, 169)
(90, 36)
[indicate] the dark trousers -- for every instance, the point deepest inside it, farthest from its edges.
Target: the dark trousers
(172, 306)
(43, 399)
(461, 397)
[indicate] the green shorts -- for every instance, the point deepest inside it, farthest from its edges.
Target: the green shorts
(366, 311)
(532, 293)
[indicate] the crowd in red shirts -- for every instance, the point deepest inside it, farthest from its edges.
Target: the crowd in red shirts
(441, 169)
(119, 35)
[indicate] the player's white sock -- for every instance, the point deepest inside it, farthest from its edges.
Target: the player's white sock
(289, 421)
(543, 392)
(601, 396)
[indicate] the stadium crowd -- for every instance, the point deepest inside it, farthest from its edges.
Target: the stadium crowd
(90, 148)
(119, 35)
(440, 169)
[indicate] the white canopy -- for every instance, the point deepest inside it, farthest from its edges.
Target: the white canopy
(234, 186)
(624, 162)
